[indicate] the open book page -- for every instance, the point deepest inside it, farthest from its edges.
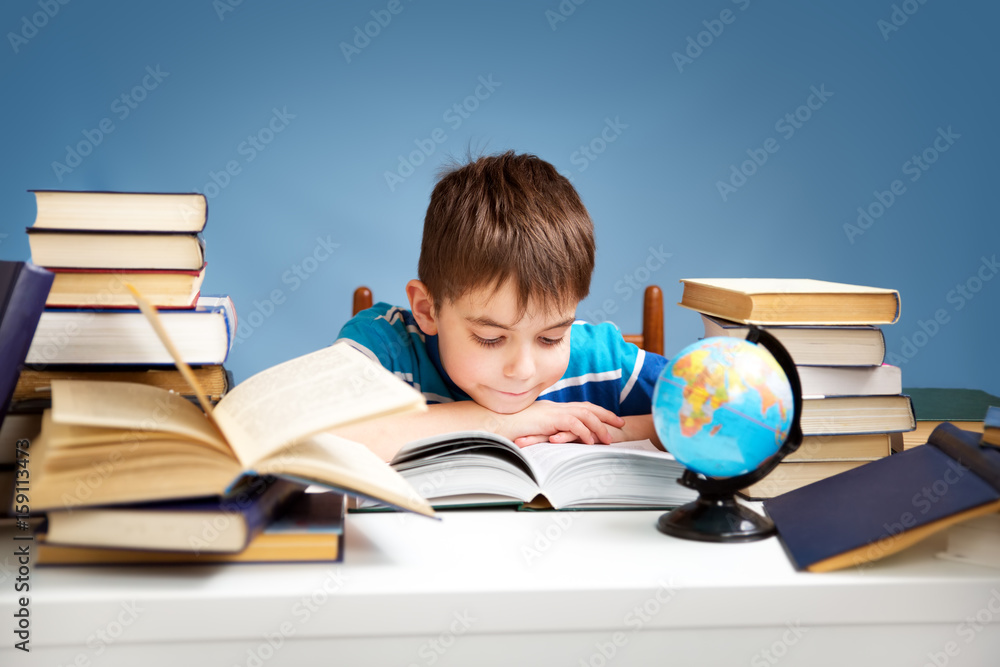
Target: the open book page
(138, 409)
(546, 457)
(622, 474)
(66, 471)
(331, 387)
(330, 460)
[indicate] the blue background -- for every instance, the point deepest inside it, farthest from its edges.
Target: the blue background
(352, 108)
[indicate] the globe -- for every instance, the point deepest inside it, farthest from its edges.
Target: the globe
(722, 406)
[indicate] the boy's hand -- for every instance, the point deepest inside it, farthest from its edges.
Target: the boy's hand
(636, 427)
(545, 421)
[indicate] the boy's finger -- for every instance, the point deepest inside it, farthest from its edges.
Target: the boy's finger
(581, 430)
(605, 415)
(595, 426)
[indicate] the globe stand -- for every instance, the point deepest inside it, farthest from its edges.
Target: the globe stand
(716, 516)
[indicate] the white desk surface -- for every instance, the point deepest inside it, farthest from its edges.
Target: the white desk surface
(500, 587)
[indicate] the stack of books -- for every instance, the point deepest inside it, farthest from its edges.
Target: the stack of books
(279, 522)
(854, 408)
(132, 473)
(98, 243)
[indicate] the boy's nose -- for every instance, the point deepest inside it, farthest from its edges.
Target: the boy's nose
(520, 365)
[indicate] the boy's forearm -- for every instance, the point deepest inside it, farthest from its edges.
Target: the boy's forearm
(640, 427)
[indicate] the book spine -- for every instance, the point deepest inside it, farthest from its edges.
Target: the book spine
(17, 327)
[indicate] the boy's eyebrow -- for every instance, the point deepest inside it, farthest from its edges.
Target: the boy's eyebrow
(485, 321)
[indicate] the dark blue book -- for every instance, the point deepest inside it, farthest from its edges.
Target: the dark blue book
(193, 526)
(884, 506)
(23, 290)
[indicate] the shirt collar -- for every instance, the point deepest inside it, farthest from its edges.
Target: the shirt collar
(431, 345)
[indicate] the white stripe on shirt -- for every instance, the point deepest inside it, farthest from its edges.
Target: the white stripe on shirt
(360, 348)
(584, 379)
(639, 359)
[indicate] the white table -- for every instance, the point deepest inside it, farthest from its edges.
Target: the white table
(514, 588)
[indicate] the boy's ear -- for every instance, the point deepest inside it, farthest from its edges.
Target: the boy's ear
(422, 306)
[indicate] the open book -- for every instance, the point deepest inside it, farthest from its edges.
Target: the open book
(476, 468)
(118, 442)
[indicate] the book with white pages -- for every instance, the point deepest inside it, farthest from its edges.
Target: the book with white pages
(844, 345)
(850, 380)
(482, 468)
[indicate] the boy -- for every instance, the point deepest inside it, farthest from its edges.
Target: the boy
(490, 337)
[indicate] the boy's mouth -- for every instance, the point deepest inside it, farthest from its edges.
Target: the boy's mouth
(513, 394)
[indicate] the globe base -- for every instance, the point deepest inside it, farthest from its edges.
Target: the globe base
(717, 518)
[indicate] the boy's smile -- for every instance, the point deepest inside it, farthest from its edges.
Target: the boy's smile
(502, 359)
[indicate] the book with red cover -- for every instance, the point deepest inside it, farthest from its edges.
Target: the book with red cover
(882, 507)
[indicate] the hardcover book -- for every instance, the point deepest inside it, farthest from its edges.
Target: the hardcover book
(814, 345)
(34, 387)
(879, 508)
(116, 250)
(203, 525)
(105, 288)
(787, 301)
(844, 415)
(120, 211)
(23, 289)
(310, 529)
(850, 380)
(204, 335)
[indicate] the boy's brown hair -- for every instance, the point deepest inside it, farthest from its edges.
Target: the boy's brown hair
(507, 217)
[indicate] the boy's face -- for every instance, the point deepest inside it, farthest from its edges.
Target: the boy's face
(502, 361)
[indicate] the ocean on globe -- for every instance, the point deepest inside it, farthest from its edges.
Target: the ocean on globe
(722, 405)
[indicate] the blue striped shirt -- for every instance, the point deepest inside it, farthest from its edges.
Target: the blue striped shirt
(603, 369)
